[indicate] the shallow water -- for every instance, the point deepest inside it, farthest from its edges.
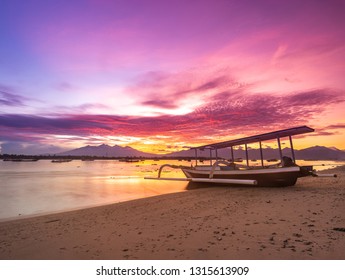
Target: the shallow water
(34, 188)
(29, 188)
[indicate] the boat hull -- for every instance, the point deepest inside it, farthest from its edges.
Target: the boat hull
(284, 176)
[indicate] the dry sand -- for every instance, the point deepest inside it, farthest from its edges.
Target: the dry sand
(300, 222)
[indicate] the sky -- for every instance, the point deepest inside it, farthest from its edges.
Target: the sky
(162, 75)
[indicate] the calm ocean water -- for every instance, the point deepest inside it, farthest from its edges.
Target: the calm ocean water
(34, 188)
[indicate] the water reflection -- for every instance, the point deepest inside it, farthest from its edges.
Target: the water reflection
(41, 187)
(28, 188)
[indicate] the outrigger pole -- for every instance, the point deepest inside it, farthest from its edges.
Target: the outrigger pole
(208, 180)
(201, 180)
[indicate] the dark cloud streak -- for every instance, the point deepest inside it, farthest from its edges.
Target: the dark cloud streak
(245, 113)
(11, 100)
(315, 98)
(166, 91)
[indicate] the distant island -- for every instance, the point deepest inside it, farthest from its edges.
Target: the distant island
(117, 152)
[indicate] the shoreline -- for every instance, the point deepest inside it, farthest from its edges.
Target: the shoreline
(330, 168)
(204, 223)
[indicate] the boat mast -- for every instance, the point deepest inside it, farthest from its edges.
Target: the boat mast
(196, 157)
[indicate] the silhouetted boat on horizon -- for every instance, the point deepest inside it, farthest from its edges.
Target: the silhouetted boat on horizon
(21, 159)
(61, 160)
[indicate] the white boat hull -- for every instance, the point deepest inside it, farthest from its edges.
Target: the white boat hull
(283, 176)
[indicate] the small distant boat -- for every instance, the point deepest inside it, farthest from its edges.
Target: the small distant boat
(272, 160)
(284, 173)
(61, 160)
(129, 160)
(21, 159)
(238, 160)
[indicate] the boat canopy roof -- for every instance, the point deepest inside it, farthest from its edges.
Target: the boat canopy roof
(258, 138)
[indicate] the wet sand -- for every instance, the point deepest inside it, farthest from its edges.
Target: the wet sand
(306, 221)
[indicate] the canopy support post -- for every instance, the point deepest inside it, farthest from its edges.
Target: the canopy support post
(292, 150)
(280, 149)
(211, 156)
(196, 157)
(261, 155)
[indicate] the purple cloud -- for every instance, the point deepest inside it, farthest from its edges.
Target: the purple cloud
(315, 98)
(65, 87)
(253, 111)
(168, 91)
(336, 126)
(83, 108)
(10, 99)
(239, 114)
(160, 103)
(330, 130)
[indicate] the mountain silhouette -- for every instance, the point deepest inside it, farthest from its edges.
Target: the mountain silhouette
(311, 153)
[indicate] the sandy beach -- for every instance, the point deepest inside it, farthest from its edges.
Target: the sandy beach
(306, 221)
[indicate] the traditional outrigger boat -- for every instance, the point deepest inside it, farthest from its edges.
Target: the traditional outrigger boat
(284, 173)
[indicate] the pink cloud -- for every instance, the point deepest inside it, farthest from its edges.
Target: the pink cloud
(209, 68)
(169, 91)
(219, 118)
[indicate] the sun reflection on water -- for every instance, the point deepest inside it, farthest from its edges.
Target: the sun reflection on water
(29, 188)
